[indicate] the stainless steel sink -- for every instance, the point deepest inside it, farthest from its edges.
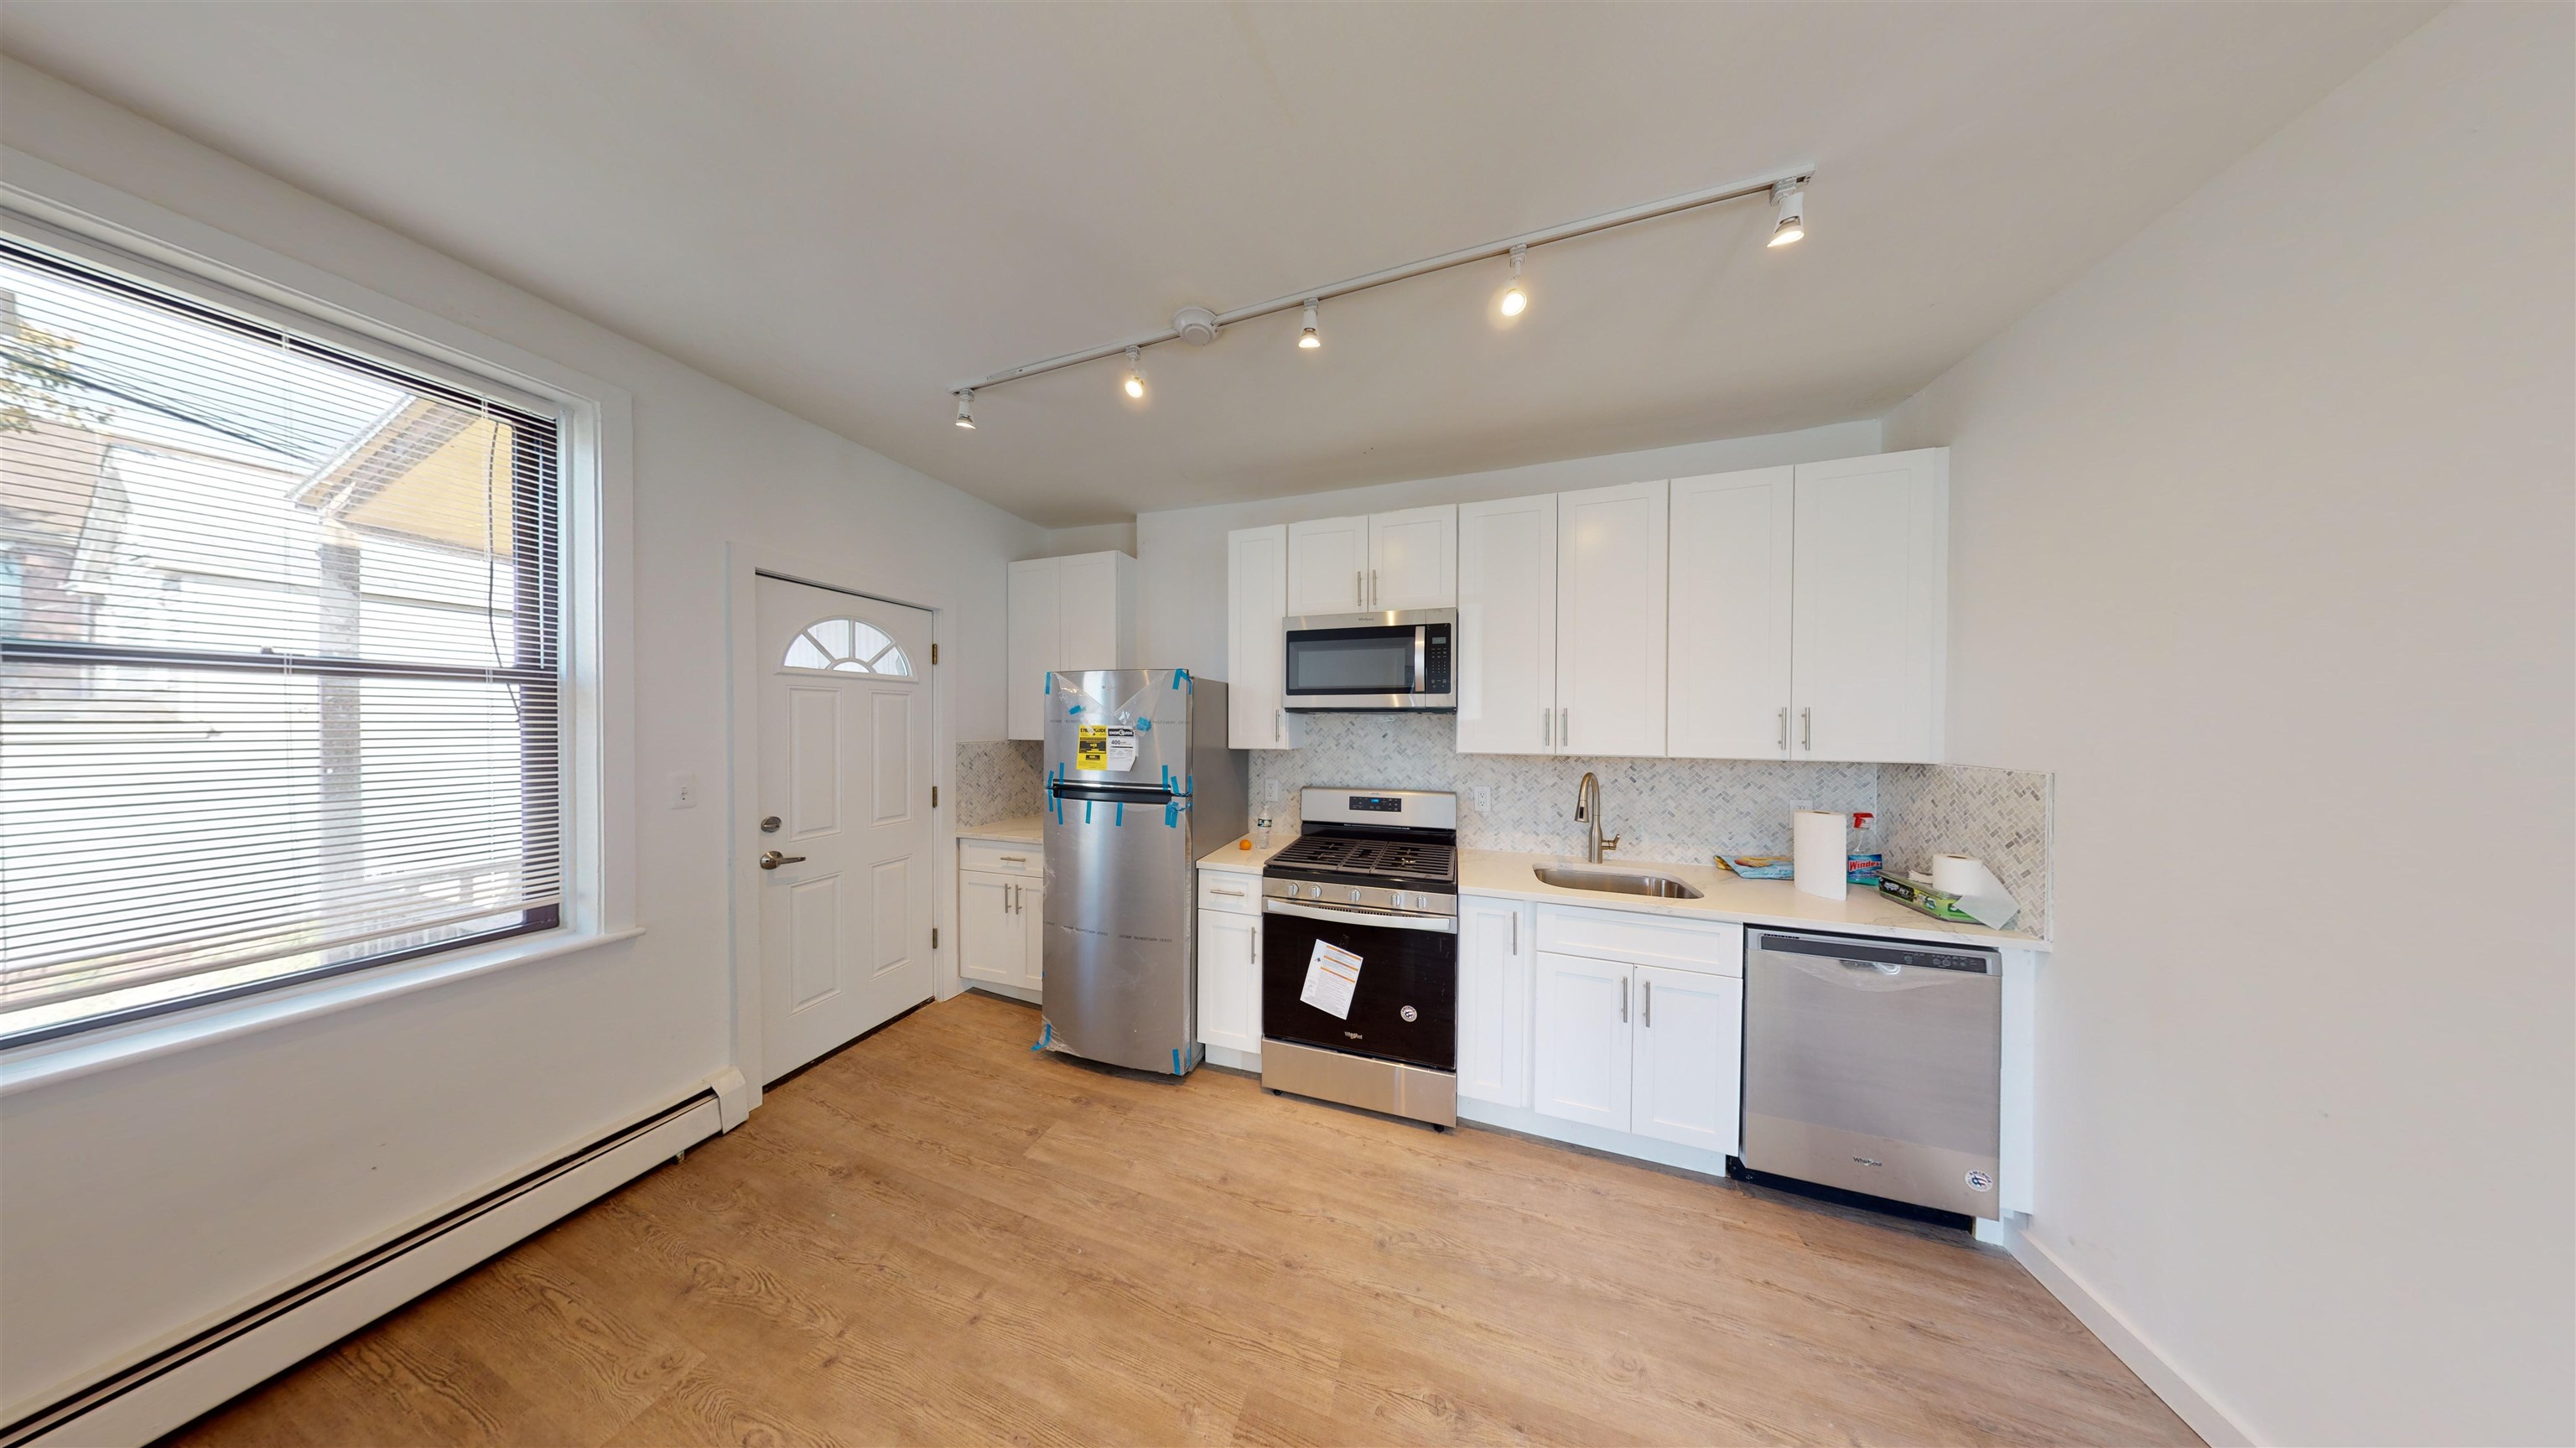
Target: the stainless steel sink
(1615, 882)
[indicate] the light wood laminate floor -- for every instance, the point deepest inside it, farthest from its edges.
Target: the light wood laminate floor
(940, 1236)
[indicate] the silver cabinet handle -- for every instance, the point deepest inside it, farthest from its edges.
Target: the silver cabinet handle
(1359, 588)
(1019, 899)
(1784, 727)
(1807, 729)
(1372, 588)
(1546, 727)
(1516, 933)
(1647, 1015)
(1014, 859)
(1623, 1000)
(771, 859)
(1279, 722)
(1564, 727)
(1256, 948)
(1235, 893)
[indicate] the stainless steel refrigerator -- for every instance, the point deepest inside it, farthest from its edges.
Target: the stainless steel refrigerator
(1139, 784)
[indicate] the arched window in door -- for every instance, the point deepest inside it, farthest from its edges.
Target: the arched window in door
(847, 646)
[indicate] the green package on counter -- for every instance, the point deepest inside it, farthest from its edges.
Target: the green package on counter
(1935, 903)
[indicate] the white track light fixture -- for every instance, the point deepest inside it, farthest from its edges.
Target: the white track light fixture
(1198, 326)
(1791, 198)
(1516, 301)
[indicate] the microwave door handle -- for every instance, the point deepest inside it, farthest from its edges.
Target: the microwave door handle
(1421, 650)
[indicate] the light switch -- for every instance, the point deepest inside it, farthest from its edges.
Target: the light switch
(684, 791)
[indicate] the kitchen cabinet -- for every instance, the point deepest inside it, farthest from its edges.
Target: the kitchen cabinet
(1000, 919)
(1382, 562)
(1065, 613)
(1610, 620)
(1644, 1033)
(1507, 626)
(1229, 925)
(1256, 608)
(1869, 627)
(1729, 620)
(1497, 961)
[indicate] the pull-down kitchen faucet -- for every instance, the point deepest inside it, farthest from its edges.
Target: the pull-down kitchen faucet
(1587, 808)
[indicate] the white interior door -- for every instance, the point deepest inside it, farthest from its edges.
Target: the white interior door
(1610, 613)
(1506, 647)
(1870, 583)
(1327, 565)
(1689, 1061)
(1580, 1051)
(1034, 643)
(845, 769)
(1413, 558)
(1729, 622)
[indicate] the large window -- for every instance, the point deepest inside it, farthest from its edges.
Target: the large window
(280, 661)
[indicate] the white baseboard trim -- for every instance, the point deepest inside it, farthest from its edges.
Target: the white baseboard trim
(175, 1386)
(2215, 1425)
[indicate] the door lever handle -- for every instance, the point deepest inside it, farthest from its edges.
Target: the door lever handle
(771, 859)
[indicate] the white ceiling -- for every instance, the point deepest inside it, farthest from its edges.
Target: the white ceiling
(845, 208)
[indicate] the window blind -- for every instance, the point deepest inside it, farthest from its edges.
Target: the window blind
(280, 656)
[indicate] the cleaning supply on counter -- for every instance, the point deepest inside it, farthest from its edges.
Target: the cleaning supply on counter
(1757, 867)
(1865, 869)
(1958, 888)
(1820, 852)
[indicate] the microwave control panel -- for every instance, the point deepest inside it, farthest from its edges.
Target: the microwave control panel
(1435, 659)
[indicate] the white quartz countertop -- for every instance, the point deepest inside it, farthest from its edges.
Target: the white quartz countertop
(1018, 830)
(1727, 896)
(1724, 895)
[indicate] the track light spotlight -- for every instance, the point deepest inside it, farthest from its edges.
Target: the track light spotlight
(966, 408)
(1135, 374)
(1308, 338)
(1791, 198)
(1515, 301)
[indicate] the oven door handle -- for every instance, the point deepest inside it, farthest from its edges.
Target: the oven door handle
(1362, 916)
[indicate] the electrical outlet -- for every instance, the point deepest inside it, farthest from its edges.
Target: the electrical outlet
(1798, 804)
(1269, 791)
(1484, 798)
(684, 791)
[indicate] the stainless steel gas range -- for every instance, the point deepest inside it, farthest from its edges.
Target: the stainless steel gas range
(1359, 952)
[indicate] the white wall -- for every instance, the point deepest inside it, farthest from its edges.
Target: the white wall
(2260, 539)
(139, 1200)
(1181, 551)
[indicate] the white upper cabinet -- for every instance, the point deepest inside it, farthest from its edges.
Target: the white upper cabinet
(1870, 629)
(1256, 606)
(1413, 559)
(1610, 620)
(1729, 616)
(1066, 613)
(1384, 562)
(1507, 626)
(1328, 560)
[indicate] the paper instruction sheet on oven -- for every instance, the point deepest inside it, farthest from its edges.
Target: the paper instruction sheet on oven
(1332, 975)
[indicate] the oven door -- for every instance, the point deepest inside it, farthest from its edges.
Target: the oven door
(1408, 965)
(1357, 661)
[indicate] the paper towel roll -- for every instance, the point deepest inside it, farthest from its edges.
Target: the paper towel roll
(1962, 875)
(1820, 853)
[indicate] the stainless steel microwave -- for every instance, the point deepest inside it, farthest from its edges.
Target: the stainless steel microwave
(1405, 659)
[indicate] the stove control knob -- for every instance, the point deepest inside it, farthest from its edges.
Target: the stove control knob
(1355, 894)
(1410, 1014)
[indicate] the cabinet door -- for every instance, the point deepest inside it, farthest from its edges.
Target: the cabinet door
(1028, 908)
(1579, 1052)
(1230, 980)
(1413, 559)
(1327, 565)
(1256, 602)
(1032, 649)
(1497, 952)
(990, 940)
(1871, 581)
(1610, 608)
(1506, 646)
(1095, 618)
(1689, 1057)
(1729, 618)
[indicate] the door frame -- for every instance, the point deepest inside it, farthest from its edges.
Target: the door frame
(743, 563)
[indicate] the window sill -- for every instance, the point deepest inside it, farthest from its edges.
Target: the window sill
(46, 1063)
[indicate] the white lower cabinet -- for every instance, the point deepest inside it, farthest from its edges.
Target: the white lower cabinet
(1688, 1054)
(1230, 960)
(1654, 1050)
(1000, 929)
(1497, 958)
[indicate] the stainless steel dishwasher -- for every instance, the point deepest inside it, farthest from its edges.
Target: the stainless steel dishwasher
(1875, 1066)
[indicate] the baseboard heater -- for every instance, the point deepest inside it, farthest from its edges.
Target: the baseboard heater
(174, 1386)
